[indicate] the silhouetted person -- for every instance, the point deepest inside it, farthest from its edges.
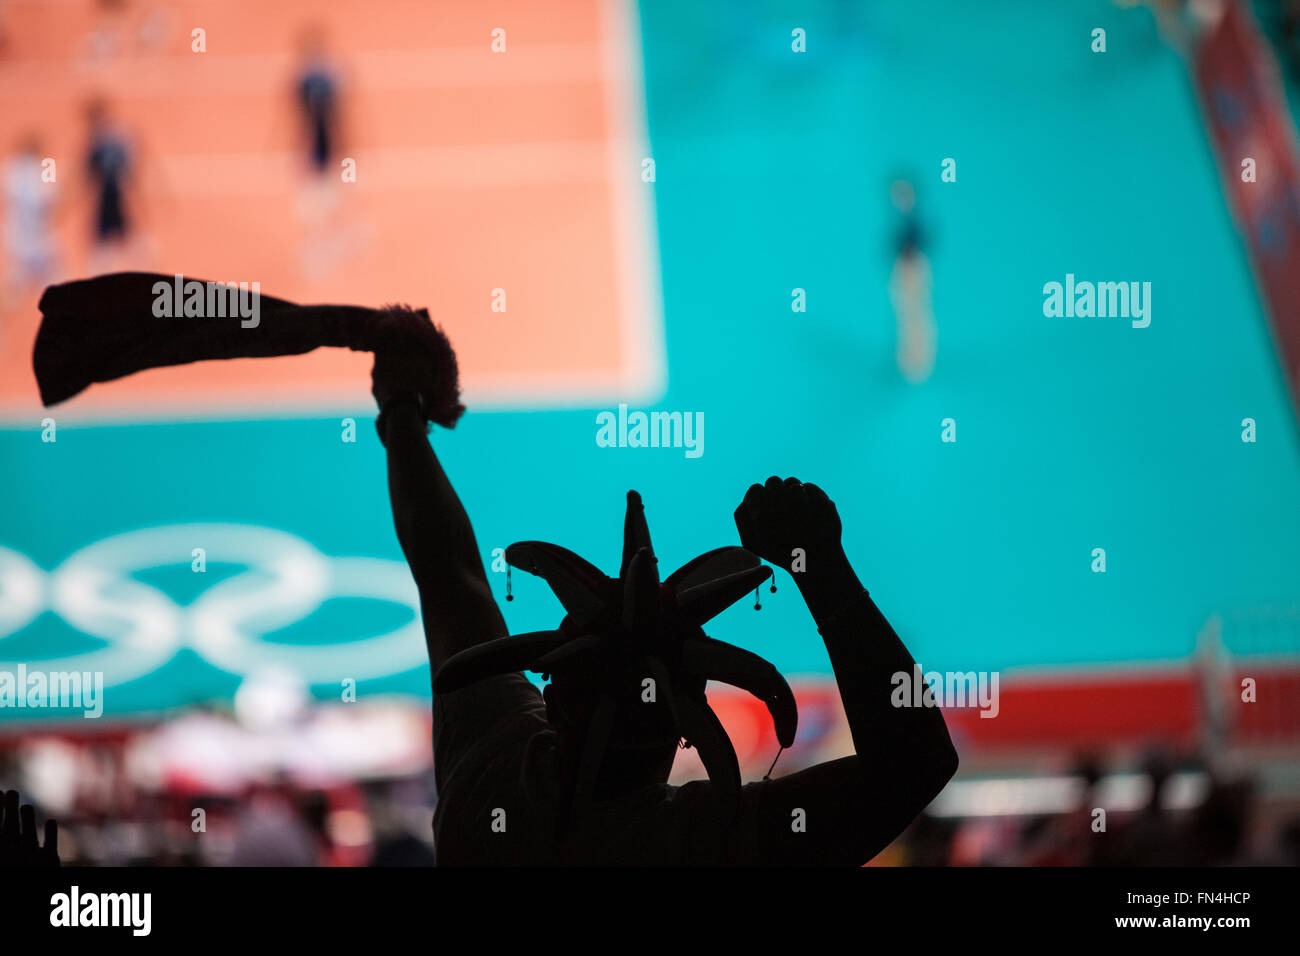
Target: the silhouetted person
(519, 778)
(19, 843)
(577, 774)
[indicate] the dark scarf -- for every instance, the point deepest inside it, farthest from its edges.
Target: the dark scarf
(101, 329)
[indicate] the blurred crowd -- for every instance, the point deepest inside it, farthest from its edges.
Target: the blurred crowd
(1225, 826)
(113, 820)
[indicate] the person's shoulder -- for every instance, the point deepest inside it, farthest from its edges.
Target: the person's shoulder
(702, 802)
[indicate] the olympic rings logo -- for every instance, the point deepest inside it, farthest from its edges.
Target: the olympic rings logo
(143, 628)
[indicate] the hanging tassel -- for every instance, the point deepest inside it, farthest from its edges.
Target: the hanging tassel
(757, 605)
(768, 775)
(509, 596)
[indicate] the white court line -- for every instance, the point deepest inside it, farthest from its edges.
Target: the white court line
(641, 313)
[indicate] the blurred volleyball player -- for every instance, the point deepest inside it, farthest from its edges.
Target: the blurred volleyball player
(909, 288)
(29, 203)
(317, 97)
(109, 168)
(330, 238)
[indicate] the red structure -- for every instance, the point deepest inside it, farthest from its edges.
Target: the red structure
(1245, 108)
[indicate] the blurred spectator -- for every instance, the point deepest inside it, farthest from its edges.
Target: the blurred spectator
(268, 832)
(909, 289)
(1068, 839)
(394, 843)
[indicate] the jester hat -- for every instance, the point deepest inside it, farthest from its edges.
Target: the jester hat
(619, 632)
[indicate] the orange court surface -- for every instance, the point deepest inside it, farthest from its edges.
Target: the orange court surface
(529, 155)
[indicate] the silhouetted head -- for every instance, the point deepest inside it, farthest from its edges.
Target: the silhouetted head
(619, 688)
(640, 753)
(629, 663)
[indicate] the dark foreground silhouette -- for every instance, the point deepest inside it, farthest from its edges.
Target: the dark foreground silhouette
(20, 845)
(577, 774)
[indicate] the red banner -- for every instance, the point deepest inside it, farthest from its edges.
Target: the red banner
(1245, 108)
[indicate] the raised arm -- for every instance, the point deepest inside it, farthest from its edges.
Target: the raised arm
(854, 807)
(435, 533)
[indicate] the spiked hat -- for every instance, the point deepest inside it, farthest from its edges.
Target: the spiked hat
(621, 636)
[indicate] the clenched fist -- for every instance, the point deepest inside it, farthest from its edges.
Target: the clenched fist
(777, 517)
